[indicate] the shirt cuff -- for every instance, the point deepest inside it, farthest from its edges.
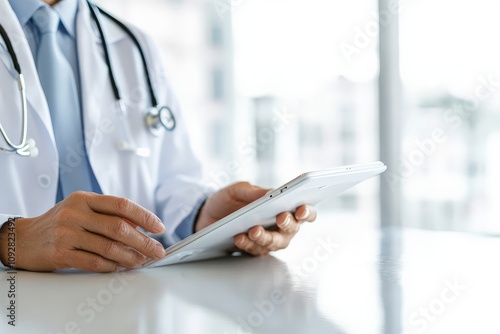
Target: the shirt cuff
(186, 227)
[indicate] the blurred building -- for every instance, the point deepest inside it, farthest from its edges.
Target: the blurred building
(447, 182)
(334, 127)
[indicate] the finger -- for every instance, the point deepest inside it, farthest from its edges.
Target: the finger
(120, 230)
(90, 262)
(287, 223)
(125, 208)
(269, 240)
(245, 244)
(306, 213)
(112, 250)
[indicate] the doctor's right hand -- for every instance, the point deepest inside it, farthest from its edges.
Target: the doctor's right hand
(85, 231)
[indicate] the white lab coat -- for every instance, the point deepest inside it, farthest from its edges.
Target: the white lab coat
(167, 182)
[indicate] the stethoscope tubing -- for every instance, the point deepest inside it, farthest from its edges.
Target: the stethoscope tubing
(94, 9)
(153, 116)
(20, 148)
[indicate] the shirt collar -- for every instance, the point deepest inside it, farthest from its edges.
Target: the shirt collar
(25, 9)
(66, 9)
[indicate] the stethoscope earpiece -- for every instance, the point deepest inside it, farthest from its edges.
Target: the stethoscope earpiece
(29, 149)
(32, 148)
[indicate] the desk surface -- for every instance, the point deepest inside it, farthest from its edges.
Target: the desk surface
(335, 278)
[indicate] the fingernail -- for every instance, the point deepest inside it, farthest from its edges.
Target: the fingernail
(305, 214)
(159, 227)
(159, 250)
(142, 259)
(287, 221)
(258, 234)
(238, 242)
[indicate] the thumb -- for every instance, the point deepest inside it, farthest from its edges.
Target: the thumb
(246, 192)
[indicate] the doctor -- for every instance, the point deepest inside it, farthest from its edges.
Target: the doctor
(102, 192)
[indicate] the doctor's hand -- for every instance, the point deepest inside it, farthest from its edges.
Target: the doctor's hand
(86, 231)
(257, 241)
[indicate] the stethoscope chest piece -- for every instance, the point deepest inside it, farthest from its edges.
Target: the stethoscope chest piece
(156, 119)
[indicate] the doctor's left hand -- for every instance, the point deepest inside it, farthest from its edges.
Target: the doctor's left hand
(257, 241)
(86, 231)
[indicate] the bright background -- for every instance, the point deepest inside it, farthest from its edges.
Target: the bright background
(272, 88)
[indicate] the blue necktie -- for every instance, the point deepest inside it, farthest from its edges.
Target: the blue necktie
(59, 86)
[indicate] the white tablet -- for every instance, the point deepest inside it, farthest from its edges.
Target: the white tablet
(309, 188)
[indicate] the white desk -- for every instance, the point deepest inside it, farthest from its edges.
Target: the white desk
(356, 284)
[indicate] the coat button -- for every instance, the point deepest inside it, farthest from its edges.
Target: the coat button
(44, 180)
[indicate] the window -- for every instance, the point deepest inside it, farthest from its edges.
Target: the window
(298, 56)
(217, 84)
(450, 72)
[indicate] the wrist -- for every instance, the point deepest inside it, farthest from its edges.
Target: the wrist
(8, 243)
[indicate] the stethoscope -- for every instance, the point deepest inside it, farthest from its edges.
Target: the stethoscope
(156, 118)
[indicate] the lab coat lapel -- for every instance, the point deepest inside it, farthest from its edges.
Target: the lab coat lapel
(35, 95)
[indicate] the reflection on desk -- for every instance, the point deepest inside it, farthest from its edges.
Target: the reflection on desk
(335, 278)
